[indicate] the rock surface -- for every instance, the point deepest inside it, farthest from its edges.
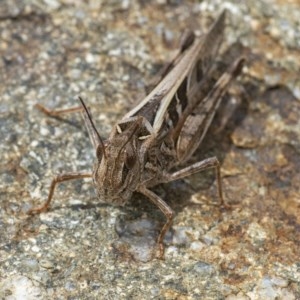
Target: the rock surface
(51, 51)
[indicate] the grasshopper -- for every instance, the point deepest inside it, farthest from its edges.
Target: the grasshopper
(151, 142)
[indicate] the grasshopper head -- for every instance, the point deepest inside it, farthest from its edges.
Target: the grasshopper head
(117, 170)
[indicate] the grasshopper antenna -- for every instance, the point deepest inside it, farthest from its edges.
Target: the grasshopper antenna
(93, 133)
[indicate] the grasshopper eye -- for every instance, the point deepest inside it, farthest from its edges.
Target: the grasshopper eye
(99, 152)
(128, 166)
(130, 157)
(130, 161)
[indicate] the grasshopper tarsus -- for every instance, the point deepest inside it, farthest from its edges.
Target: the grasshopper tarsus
(38, 210)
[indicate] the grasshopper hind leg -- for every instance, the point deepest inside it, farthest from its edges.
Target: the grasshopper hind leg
(202, 165)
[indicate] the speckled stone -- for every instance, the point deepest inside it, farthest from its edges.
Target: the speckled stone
(54, 50)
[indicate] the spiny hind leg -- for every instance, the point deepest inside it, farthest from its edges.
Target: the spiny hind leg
(209, 163)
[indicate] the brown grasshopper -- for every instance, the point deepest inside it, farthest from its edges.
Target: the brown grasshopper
(162, 131)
